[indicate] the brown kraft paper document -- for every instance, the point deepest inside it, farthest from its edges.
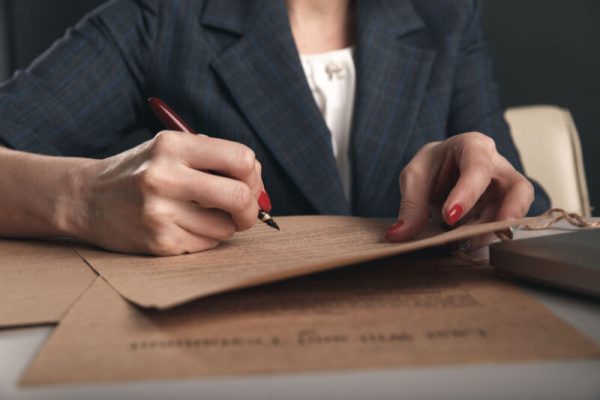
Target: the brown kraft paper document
(39, 281)
(386, 314)
(306, 244)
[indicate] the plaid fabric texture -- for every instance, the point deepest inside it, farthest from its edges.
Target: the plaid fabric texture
(231, 69)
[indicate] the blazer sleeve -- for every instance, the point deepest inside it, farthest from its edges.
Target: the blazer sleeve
(475, 104)
(87, 90)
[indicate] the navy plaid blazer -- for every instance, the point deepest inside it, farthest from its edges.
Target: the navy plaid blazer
(231, 69)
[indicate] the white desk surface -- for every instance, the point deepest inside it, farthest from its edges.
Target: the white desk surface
(571, 380)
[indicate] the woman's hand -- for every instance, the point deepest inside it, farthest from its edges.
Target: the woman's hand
(466, 180)
(163, 197)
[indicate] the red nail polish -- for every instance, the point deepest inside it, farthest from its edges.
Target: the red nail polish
(264, 202)
(454, 214)
(392, 229)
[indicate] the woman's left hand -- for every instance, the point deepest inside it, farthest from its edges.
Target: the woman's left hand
(466, 180)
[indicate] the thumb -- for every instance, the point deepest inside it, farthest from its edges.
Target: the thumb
(413, 217)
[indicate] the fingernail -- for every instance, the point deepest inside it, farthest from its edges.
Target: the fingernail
(264, 202)
(454, 214)
(392, 229)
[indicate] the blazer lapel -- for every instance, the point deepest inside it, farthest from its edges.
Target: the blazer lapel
(264, 76)
(392, 73)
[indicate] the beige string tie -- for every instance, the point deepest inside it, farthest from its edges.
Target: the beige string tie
(558, 214)
(544, 221)
(548, 219)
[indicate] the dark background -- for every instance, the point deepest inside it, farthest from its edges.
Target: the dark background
(544, 51)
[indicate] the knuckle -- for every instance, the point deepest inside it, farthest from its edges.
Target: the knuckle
(163, 142)
(411, 173)
(483, 141)
(164, 244)
(245, 159)
(258, 167)
(408, 206)
(241, 197)
(431, 145)
(407, 172)
(246, 222)
(496, 162)
(225, 230)
(404, 175)
(155, 214)
(150, 180)
(528, 186)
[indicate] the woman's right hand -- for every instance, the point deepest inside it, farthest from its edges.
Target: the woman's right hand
(177, 193)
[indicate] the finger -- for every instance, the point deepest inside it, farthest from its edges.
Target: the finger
(209, 223)
(415, 191)
(254, 180)
(512, 195)
(193, 243)
(229, 195)
(189, 243)
(264, 201)
(179, 182)
(486, 213)
(204, 153)
(173, 240)
(476, 163)
(258, 170)
(224, 157)
(514, 205)
(516, 202)
(480, 214)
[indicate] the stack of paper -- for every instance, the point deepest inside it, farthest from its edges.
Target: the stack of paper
(392, 312)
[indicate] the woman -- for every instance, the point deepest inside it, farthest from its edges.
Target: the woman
(341, 101)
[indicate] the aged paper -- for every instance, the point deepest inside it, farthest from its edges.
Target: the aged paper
(306, 244)
(39, 281)
(386, 314)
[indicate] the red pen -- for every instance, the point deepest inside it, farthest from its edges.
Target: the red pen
(173, 121)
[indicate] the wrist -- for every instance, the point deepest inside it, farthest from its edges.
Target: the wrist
(69, 211)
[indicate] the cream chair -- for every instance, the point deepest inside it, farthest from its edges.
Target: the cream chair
(551, 153)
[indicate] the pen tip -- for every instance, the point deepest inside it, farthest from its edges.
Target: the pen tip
(272, 224)
(267, 219)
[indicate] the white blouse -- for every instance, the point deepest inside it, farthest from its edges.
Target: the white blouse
(332, 80)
